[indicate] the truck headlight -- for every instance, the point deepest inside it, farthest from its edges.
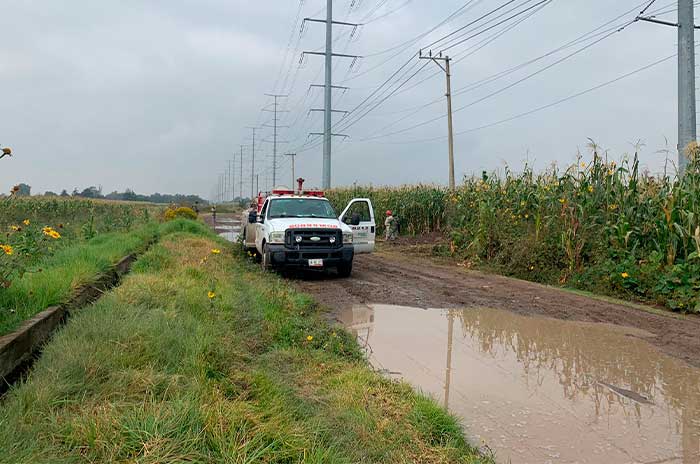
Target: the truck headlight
(347, 237)
(276, 237)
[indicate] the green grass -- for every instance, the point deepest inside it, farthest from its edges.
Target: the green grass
(157, 372)
(74, 266)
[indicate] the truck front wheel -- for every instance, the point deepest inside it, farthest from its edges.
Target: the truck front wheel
(265, 260)
(345, 270)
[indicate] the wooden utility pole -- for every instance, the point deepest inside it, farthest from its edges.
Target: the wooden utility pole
(438, 60)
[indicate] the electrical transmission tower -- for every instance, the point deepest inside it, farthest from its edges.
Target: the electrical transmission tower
(252, 164)
(687, 116)
(240, 177)
(328, 88)
(275, 126)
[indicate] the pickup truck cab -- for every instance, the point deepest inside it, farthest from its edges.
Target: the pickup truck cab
(302, 230)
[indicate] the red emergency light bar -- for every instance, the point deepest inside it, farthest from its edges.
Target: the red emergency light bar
(283, 192)
(314, 193)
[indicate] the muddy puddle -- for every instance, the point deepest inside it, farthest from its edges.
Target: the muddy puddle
(539, 390)
(229, 229)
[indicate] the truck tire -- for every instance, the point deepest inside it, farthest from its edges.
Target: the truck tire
(265, 261)
(345, 270)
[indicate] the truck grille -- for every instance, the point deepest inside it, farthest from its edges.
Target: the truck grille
(313, 238)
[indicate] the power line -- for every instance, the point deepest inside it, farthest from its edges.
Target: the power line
(510, 86)
(550, 105)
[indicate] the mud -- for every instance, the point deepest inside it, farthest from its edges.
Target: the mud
(541, 390)
(399, 278)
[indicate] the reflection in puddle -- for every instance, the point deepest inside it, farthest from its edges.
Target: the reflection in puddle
(541, 390)
(231, 235)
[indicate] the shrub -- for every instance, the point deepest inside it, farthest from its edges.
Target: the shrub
(180, 212)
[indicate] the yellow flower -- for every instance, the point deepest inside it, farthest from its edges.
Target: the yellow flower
(15, 228)
(527, 216)
(215, 251)
(532, 268)
(583, 165)
(562, 201)
(522, 203)
(590, 188)
(625, 275)
(612, 207)
(7, 249)
(25, 222)
(211, 295)
(309, 338)
(55, 235)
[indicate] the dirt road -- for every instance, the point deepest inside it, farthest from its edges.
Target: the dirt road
(397, 277)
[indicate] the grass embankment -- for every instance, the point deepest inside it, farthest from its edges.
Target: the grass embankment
(161, 370)
(76, 265)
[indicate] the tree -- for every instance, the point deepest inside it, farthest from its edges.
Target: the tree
(24, 190)
(49, 193)
(64, 193)
(91, 192)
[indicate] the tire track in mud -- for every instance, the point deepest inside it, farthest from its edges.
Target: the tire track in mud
(397, 278)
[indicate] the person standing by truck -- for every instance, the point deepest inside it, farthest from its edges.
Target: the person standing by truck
(391, 224)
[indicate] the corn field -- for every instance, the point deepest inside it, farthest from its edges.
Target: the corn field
(79, 218)
(597, 225)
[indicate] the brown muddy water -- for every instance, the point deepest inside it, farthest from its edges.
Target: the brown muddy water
(539, 390)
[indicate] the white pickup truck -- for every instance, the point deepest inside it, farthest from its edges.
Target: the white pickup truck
(301, 230)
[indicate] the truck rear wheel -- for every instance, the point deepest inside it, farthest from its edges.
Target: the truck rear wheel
(345, 270)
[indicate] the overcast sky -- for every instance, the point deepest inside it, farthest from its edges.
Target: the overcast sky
(157, 95)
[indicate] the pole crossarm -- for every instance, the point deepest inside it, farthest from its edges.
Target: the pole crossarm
(332, 86)
(332, 111)
(312, 134)
(651, 19)
(340, 23)
(339, 55)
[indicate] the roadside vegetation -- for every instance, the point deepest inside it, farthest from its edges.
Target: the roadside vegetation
(598, 225)
(49, 248)
(200, 357)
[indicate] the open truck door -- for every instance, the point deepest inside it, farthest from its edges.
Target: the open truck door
(359, 216)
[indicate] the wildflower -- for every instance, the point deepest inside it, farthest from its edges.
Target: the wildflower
(522, 203)
(625, 275)
(15, 228)
(583, 165)
(532, 268)
(211, 295)
(48, 231)
(309, 338)
(611, 172)
(527, 216)
(7, 249)
(612, 207)
(590, 188)
(215, 251)
(26, 222)
(562, 200)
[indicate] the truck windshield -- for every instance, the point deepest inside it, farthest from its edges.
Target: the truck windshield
(301, 208)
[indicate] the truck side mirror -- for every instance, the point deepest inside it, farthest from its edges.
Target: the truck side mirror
(252, 217)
